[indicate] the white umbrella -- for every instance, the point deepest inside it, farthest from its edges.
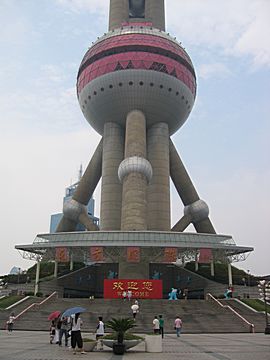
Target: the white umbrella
(134, 307)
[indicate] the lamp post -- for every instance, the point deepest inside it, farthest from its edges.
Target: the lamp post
(264, 289)
(248, 271)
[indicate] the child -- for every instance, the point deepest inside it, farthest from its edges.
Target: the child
(52, 331)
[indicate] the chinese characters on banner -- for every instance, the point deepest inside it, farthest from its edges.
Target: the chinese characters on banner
(141, 289)
(96, 253)
(170, 255)
(61, 254)
(205, 256)
(133, 254)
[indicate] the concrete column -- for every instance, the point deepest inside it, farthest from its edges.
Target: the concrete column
(133, 173)
(71, 262)
(158, 191)
(55, 269)
(111, 188)
(118, 13)
(155, 12)
(230, 278)
(212, 265)
(37, 278)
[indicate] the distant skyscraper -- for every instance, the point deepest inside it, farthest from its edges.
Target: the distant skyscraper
(55, 218)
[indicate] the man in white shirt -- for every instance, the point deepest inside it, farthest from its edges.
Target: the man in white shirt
(100, 333)
(156, 326)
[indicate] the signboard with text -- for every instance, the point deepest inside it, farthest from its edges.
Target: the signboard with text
(141, 289)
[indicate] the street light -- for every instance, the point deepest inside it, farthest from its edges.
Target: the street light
(264, 290)
(248, 271)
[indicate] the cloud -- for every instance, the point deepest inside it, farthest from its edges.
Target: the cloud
(207, 71)
(233, 28)
(92, 6)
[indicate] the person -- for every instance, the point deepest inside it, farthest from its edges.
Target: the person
(76, 337)
(58, 322)
(100, 331)
(52, 331)
(124, 295)
(129, 294)
(161, 326)
(156, 325)
(178, 325)
(64, 328)
(185, 293)
(136, 302)
(135, 310)
(10, 322)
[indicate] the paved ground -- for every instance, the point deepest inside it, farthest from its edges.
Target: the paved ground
(22, 345)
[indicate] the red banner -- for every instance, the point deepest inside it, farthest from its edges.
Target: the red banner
(205, 256)
(61, 254)
(133, 254)
(96, 253)
(170, 255)
(141, 289)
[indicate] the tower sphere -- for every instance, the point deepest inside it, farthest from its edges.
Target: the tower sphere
(136, 67)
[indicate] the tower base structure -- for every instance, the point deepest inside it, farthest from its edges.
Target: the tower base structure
(132, 255)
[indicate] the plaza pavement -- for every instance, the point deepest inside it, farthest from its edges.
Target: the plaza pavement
(30, 345)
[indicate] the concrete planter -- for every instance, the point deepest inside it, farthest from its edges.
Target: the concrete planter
(89, 345)
(128, 343)
(153, 343)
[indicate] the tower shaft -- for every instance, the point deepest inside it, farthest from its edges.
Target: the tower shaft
(153, 11)
(134, 207)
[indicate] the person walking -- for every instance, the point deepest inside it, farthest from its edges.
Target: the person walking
(135, 310)
(178, 325)
(76, 337)
(100, 331)
(52, 331)
(156, 325)
(161, 326)
(64, 328)
(129, 294)
(10, 322)
(124, 295)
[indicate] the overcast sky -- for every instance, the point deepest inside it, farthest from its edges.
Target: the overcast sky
(224, 144)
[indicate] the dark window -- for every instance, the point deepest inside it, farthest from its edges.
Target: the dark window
(136, 8)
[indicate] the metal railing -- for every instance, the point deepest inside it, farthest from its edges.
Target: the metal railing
(36, 305)
(250, 325)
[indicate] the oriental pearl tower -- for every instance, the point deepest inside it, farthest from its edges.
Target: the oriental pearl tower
(136, 87)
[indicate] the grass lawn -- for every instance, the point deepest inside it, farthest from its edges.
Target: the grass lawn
(9, 300)
(256, 304)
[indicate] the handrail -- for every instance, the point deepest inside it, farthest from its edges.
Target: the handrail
(35, 305)
(251, 326)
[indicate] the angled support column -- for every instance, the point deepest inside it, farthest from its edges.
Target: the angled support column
(196, 208)
(75, 210)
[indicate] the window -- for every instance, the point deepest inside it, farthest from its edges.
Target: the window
(136, 8)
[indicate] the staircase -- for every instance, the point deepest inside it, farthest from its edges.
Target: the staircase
(198, 316)
(256, 318)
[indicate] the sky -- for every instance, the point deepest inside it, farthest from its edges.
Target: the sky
(224, 144)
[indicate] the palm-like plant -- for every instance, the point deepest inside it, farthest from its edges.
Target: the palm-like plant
(120, 326)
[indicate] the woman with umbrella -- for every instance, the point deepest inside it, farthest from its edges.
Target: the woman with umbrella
(76, 323)
(135, 310)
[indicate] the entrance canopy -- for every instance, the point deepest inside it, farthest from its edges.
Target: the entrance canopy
(157, 246)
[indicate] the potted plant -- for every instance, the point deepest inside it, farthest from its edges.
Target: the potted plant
(120, 326)
(89, 344)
